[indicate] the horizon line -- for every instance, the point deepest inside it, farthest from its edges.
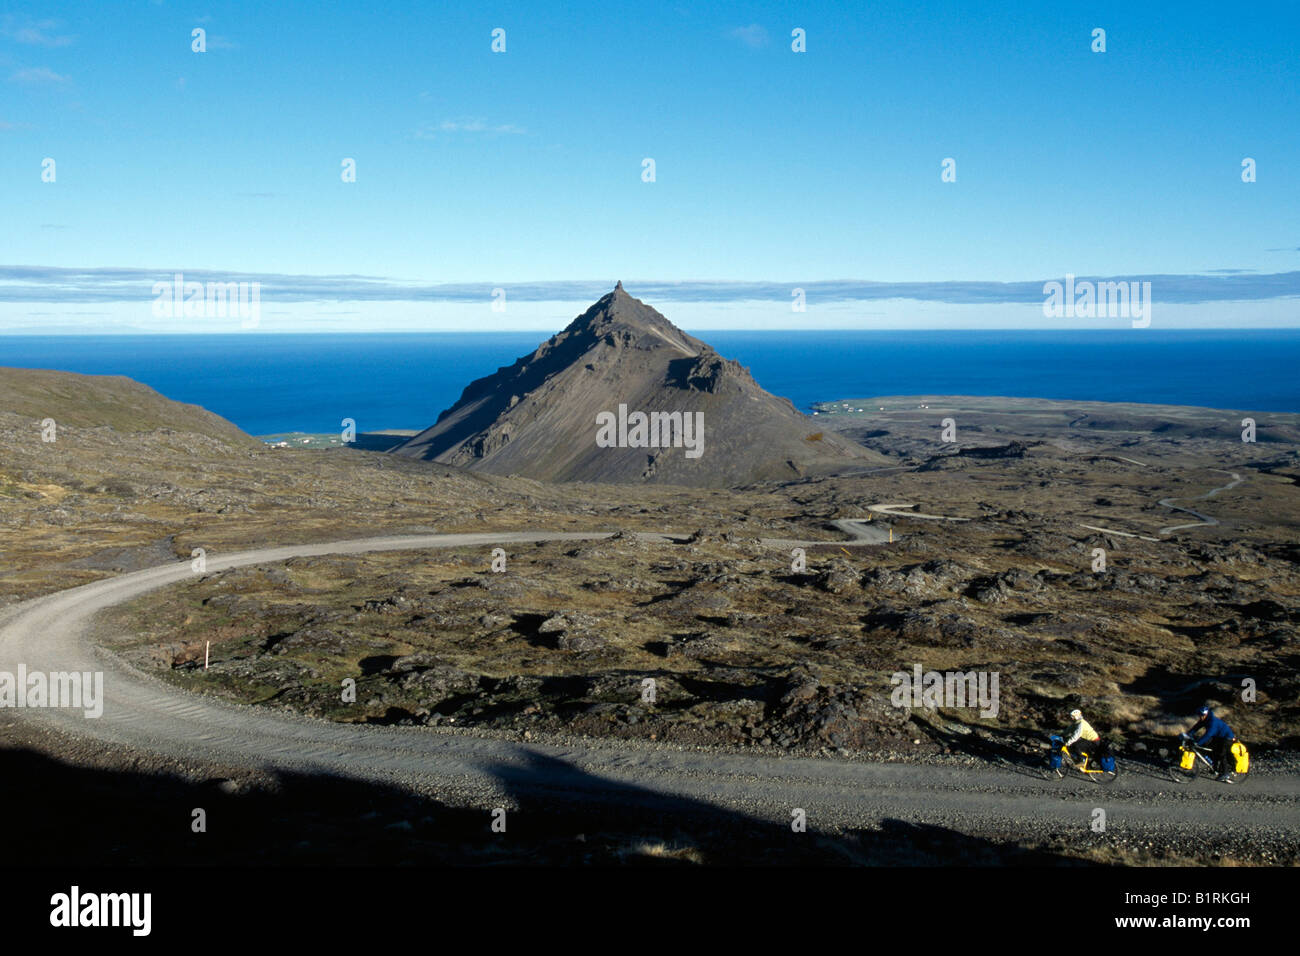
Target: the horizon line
(81, 332)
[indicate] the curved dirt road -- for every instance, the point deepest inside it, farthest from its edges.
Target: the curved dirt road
(1206, 521)
(893, 512)
(52, 634)
(861, 531)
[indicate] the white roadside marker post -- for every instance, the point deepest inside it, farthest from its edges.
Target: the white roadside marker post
(205, 655)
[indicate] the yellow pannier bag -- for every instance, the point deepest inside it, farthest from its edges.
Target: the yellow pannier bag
(1241, 757)
(1188, 760)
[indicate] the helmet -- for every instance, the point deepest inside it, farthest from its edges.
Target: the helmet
(1076, 715)
(1204, 712)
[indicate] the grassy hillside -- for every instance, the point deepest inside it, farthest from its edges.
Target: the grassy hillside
(90, 401)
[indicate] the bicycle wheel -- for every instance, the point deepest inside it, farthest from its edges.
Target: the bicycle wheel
(1179, 775)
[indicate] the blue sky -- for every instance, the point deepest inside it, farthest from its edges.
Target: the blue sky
(523, 170)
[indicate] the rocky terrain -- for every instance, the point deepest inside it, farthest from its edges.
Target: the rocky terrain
(748, 651)
(744, 651)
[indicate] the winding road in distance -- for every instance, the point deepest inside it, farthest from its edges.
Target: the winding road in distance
(52, 633)
(1206, 521)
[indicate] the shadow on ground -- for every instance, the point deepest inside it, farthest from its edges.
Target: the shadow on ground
(61, 814)
(376, 441)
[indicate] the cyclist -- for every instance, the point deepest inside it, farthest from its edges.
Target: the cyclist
(1218, 736)
(1081, 739)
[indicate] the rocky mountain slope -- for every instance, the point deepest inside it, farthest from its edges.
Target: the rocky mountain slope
(539, 418)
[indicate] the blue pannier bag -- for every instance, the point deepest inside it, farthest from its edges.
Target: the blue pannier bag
(1055, 759)
(1105, 759)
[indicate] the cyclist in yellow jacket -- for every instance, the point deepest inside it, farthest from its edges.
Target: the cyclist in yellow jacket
(1081, 738)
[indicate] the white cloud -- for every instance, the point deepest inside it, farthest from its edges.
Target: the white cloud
(753, 36)
(110, 284)
(467, 126)
(35, 32)
(39, 76)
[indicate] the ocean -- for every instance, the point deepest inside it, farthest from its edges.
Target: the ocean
(270, 383)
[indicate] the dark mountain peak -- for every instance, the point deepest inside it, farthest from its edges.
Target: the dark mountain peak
(541, 417)
(628, 319)
(618, 287)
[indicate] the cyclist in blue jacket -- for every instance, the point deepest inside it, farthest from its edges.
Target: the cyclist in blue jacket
(1218, 736)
